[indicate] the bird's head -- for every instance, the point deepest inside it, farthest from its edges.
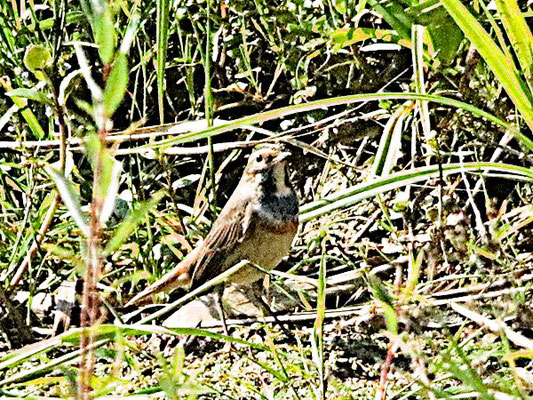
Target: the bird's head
(265, 158)
(267, 165)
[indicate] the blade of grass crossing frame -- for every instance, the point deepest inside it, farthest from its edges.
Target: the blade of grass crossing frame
(390, 144)
(353, 195)
(418, 33)
(209, 103)
(163, 8)
(519, 35)
(318, 328)
(497, 31)
(102, 334)
(502, 68)
(343, 100)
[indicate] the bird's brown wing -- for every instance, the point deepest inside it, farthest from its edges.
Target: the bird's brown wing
(207, 260)
(232, 227)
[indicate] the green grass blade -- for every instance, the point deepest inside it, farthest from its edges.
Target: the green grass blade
(163, 7)
(208, 102)
(395, 15)
(365, 190)
(337, 101)
(70, 198)
(390, 143)
(191, 295)
(130, 223)
(72, 17)
(317, 347)
(519, 34)
(27, 113)
(500, 65)
(32, 94)
(102, 334)
(386, 301)
(104, 29)
(116, 85)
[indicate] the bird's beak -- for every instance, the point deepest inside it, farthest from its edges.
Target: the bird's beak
(282, 156)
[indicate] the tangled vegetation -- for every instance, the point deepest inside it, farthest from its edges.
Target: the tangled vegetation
(126, 125)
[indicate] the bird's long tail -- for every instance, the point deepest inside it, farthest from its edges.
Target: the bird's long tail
(177, 277)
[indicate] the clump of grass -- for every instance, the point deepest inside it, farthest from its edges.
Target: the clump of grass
(399, 228)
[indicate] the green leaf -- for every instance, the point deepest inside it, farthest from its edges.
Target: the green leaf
(70, 198)
(130, 223)
(185, 181)
(60, 252)
(445, 34)
(379, 291)
(32, 94)
(104, 30)
(27, 113)
(110, 198)
(163, 8)
(106, 171)
(391, 319)
(519, 34)
(33, 123)
(386, 301)
(341, 6)
(117, 84)
(37, 58)
(348, 36)
(502, 67)
(394, 14)
(71, 17)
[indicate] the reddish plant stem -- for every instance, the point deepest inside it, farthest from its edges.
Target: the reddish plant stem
(391, 352)
(90, 301)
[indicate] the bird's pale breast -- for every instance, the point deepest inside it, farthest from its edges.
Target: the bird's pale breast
(276, 223)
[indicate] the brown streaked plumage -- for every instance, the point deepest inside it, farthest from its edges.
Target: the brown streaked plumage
(258, 224)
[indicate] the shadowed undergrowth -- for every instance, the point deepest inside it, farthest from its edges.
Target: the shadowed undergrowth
(126, 126)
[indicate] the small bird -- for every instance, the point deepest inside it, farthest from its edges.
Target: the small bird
(258, 224)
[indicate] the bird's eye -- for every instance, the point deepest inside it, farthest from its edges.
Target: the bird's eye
(259, 158)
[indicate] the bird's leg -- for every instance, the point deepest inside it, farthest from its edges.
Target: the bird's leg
(222, 315)
(187, 340)
(273, 314)
(256, 290)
